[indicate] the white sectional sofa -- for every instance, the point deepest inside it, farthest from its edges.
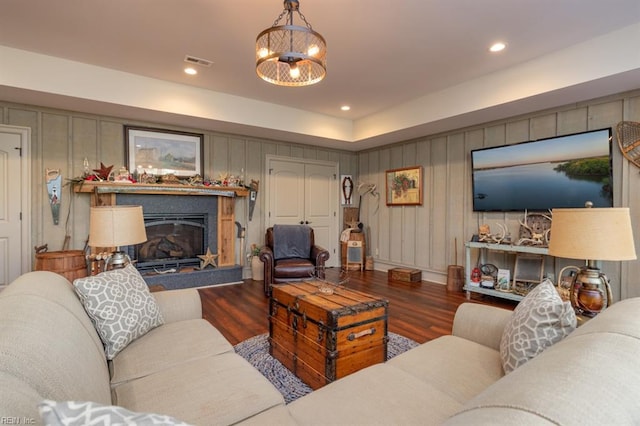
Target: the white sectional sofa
(49, 350)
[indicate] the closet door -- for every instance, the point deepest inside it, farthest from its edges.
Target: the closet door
(304, 192)
(286, 193)
(15, 234)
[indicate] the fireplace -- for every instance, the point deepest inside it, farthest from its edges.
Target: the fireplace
(174, 241)
(179, 229)
(183, 223)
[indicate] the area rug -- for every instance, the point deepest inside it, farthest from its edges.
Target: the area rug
(256, 351)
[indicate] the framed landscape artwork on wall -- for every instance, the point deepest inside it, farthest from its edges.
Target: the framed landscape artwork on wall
(404, 186)
(162, 152)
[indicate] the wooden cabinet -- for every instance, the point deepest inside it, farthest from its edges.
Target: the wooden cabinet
(528, 252)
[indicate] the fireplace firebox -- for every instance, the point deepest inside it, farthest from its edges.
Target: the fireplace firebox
(179, 229)
(173, 242)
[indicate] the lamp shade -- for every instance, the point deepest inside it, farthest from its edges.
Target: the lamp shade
(592, 234)
(114, 226)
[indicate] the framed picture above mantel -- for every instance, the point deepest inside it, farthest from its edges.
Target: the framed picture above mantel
(404, 186)
(161, 152)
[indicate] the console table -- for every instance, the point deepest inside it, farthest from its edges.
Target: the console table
(505, 248)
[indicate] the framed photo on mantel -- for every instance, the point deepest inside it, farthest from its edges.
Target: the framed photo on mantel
(161, 152)
(404, 186)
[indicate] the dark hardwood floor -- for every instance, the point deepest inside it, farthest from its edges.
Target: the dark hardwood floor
(419, 311)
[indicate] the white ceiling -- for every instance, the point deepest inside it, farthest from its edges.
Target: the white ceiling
(407, 68)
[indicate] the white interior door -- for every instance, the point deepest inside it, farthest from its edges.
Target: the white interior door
(14, 201)
(320, 206)
(301, 191)
(286, 193)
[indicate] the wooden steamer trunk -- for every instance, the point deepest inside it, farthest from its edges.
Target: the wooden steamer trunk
(323, 337)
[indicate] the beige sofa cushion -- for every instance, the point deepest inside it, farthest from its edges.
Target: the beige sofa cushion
(276, 416)
(166, 346)
(48, 342)
(378, 395)
(222, 389)
(179, 305)
(56, 289)
(457, 367)
(482, 324)
(17, 398)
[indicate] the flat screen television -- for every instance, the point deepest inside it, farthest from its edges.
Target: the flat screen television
(558, 172)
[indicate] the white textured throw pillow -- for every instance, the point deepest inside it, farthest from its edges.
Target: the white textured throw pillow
(72, 413)
(120, 305)
(540, 320)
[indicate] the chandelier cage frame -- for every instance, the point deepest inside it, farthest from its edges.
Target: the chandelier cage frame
(284, 50)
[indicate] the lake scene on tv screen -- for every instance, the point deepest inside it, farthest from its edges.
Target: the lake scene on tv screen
(561, 172)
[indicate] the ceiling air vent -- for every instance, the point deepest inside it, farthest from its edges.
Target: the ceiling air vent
(197, 61)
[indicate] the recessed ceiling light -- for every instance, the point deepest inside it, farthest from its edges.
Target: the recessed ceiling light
(497, 47)
(345, 107)
(191, 71)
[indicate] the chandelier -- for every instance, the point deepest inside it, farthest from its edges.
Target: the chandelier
(291, 55)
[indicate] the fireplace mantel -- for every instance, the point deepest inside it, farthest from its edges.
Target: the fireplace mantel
(104, 194)
(161, 189)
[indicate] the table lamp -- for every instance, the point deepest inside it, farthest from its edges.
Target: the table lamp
(592, 234)
(116, 226)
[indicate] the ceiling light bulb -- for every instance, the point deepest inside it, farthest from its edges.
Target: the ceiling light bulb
(313, 50)
(263, 52)
(497, 47)
(345, 107)
(191, 71)
(294, 71)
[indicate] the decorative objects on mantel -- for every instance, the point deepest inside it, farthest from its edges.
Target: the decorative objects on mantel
(592, 234)
(103, 173)
(155, 188)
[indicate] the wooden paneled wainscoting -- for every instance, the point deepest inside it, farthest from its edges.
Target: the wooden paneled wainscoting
(420, 311)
